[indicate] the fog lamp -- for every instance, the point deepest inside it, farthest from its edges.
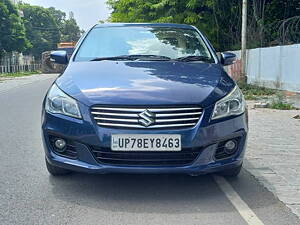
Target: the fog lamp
(60, 144)
(230, 146)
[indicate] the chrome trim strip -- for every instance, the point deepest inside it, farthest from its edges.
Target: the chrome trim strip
(114, 119)
(178, 114)
(116, 114)
(143, 109)
(139, 126)
(175, 120)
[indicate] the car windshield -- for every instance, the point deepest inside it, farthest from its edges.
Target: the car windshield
(143, 43)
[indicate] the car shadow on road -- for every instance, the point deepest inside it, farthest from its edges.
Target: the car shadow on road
(142, 193)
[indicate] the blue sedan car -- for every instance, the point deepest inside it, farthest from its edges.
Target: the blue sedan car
(144, 98)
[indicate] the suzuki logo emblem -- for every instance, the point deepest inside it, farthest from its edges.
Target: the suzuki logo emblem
(146, 118)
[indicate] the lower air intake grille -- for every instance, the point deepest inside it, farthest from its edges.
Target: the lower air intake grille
(170, 117)
(185, 157)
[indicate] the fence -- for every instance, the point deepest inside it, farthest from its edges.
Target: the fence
(273, 67)
(19, 68)
(16, 62)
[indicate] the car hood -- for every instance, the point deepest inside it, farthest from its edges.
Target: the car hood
(145, 83)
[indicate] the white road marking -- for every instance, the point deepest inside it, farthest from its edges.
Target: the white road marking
(241, 206)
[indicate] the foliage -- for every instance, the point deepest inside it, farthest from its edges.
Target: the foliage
(219, 20)
(278, 99)
(41, 29)
(279, 102)
(281, 106)
(68, 28)
(253, 92)
(12, 31)
(20, 74)
(58, 16)
(38, 31)
(70, 31)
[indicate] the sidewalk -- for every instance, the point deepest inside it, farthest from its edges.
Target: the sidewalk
(10, 83)
(273, 153)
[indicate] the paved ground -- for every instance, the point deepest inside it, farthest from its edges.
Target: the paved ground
(11, 83)
(295, 99)
(273, 153)
(28, 195)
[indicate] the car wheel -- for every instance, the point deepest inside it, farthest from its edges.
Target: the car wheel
(56, 171)
(233, 172)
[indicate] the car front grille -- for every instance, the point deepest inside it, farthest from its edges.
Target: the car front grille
(170, 117)
(184, 157)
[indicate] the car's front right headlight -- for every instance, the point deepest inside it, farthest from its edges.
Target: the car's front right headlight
(57, 102)
(232, 104)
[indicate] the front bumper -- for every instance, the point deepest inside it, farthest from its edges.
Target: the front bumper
(84, 133)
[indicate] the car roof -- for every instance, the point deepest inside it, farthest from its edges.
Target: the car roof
(171, 25)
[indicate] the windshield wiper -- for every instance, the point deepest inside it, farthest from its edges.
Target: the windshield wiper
(151, 57)
(194, 58)
(133, 57)
(121, 57)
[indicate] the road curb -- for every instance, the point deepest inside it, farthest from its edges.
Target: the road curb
(271, 181)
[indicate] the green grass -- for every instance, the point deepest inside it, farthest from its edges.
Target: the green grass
(21, 74)
(281, 106)
(254, 92)
(279, 102)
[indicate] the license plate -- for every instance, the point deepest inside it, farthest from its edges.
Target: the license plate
(146, 142)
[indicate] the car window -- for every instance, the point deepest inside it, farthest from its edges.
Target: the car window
(116, 41)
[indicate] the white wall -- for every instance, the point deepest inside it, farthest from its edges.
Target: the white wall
(274, 67)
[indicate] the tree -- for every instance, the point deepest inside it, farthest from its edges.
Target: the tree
(68, 28)
(219, 20)
(12, 31)
(58, 15)
(41, 29)
(70, 31)
(282, 22)
(269, 21)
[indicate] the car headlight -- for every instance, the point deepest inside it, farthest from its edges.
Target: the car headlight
(231, 104)
(58, 102)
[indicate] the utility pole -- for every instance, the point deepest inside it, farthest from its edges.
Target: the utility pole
(244, 43)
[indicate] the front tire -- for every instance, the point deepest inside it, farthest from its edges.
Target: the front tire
(233, 172)
(56, 171)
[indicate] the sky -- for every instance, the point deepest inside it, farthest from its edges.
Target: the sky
(87, 12)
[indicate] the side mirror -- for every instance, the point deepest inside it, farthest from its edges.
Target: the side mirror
(60, 57)
(228, 58)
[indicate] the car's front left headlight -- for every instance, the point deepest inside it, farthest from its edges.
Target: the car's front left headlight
(232, 104)
(58, 102)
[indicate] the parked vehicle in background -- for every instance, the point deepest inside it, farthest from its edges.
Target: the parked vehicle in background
(48, 66)
(144, 98)
(67, 46)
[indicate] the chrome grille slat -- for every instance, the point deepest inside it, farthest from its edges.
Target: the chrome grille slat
(114, 119)
(116, 114)
(140, 126)
(155, 110)
(175, 120)
(178, 114)
(162, 117)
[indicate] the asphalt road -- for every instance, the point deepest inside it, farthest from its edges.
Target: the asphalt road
(29, 195)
